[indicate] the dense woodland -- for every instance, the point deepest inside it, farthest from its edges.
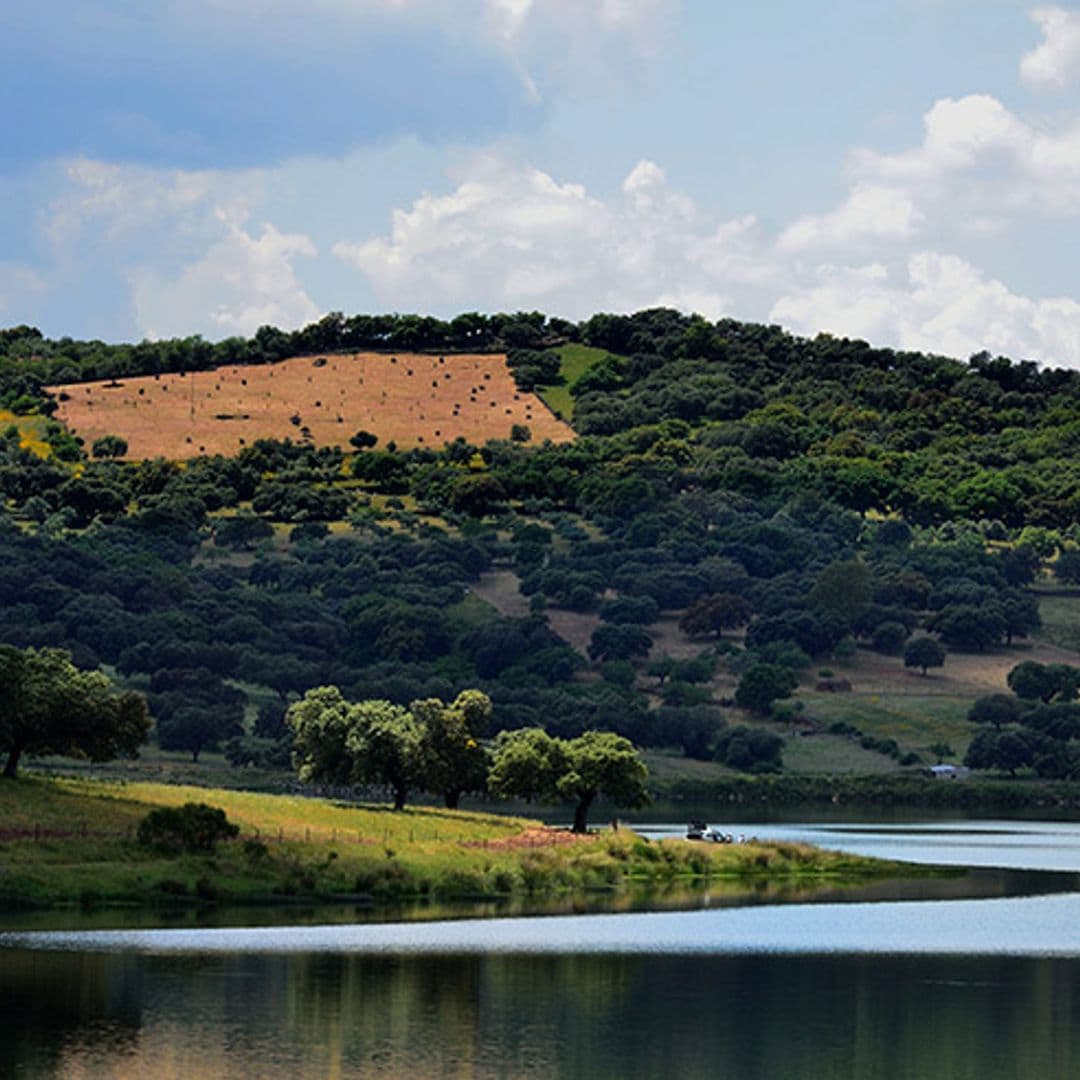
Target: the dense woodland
(821, 495)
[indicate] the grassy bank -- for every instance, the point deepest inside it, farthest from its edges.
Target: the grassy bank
(67, 842)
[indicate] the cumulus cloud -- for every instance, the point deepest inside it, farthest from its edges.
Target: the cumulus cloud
(938, 303)
(871, 213)
(1055, 61)
(511, 235)
(241, 283)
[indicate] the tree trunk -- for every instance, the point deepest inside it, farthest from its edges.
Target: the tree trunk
(581, 814)
(12, 766)
(400, 794)
(452, 798)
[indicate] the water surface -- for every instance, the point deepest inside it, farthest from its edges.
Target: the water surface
(886, 984)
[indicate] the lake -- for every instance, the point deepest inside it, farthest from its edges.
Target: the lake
(977, 975)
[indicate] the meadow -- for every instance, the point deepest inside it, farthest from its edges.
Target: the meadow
(67, 842)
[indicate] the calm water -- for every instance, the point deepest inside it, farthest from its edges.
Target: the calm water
(975, 976)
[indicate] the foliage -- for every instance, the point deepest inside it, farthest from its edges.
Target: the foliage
(763, 684)
(750, 749)
(529, 763)
(194, 828)
(924, 653)
(51, 707)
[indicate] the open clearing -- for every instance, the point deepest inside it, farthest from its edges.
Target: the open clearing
(412, 400)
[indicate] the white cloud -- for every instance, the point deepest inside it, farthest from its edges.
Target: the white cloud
(939, 303)
(1055, 61)
(242, 282)
(511, 235)
(871, 212)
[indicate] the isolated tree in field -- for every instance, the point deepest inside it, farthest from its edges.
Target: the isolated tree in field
(530, 764)
(109, 446)
(924, 653)
(763, 684)
(602, 763)
(715, 614)
(48, 706)
(363, 440)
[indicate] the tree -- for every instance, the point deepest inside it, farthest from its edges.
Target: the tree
(455, 761)
(761, 685)
(750, 749)
(1033, 681)
(321, 722)
(714, 614)
(109, 446)
(970, 626)
(997, 710)
(1021, 614)
(48, 706)
(363, 440)
(889, 637)
(386, 746)
(924, 652)
(1067, 567)
(602, 763)
(530, 764)
(526, 764)
(1008, 748)
(619, 641)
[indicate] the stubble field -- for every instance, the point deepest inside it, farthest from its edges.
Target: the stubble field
(412, 400)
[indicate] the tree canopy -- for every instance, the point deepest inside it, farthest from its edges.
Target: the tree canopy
(49, 706)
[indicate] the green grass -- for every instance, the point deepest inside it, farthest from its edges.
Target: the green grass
(1061, 621)
(914, 721)
(576, 360)
(72, 841)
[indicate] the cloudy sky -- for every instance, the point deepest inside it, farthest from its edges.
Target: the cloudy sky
(907, 171)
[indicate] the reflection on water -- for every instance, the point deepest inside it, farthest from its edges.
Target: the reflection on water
(971, 976)
(551, 1016)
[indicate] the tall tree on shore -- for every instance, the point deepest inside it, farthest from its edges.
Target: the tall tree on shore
(49, 706)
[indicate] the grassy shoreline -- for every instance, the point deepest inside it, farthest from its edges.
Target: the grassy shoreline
(67, 843)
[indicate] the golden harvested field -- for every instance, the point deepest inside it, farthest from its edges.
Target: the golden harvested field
(411, 399)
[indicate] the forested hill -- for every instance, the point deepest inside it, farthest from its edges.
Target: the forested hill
(746, 408)
(739, 512)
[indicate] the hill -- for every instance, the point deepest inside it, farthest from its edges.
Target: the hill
(740, 508)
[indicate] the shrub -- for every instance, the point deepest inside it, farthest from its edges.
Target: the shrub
(193, 828)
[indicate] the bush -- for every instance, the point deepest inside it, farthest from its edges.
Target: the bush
(193, 828)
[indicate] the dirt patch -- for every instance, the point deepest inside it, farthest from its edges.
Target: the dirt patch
(414, 400)
(500, 589)
(964, 674)
(540, 836)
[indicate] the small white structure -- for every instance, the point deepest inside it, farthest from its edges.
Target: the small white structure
(949, 772)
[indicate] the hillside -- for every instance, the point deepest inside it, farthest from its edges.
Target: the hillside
(727, 560)
(407, 399)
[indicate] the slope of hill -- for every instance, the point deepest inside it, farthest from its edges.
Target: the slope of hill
(408, 399)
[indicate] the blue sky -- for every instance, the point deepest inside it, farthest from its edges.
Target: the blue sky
(907, 171)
